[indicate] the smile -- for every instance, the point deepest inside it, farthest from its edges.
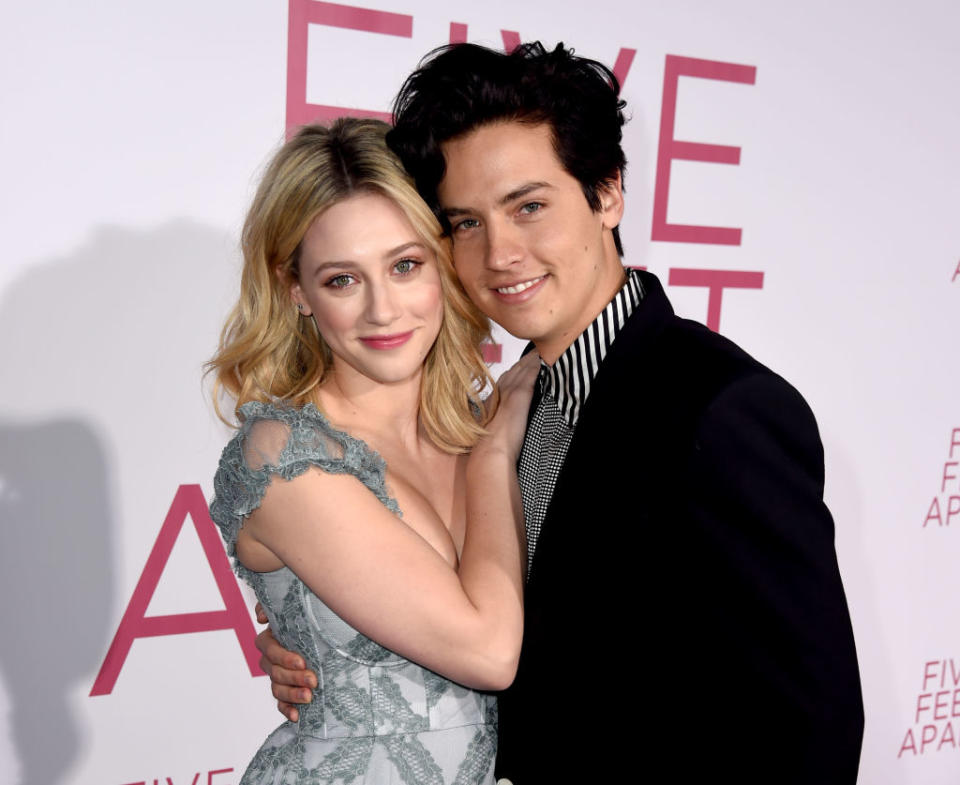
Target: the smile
(520, 287)
(387, 341)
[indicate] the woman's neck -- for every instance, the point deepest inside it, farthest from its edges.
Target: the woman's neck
(374, 411)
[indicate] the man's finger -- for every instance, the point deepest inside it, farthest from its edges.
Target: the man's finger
(275, 654)
(287, 694)
(263, 640)
(287, 677)
(288, 710)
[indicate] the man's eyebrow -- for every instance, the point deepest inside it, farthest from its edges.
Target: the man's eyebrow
(450, 212)
(519, 193)
(516, 193)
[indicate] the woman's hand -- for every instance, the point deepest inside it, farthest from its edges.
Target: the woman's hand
(506, 429)
(390, 584)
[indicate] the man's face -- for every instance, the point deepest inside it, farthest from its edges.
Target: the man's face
(529, 250)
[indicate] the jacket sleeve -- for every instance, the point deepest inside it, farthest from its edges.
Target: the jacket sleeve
(774, 612)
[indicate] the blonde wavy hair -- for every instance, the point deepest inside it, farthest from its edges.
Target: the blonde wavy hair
(269, 352)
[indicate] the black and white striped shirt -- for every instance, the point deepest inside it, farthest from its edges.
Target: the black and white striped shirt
(564, 388)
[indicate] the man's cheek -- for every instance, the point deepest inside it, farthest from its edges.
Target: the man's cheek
(468, 278)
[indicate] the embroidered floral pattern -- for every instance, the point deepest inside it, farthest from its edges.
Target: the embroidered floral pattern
(375, 717)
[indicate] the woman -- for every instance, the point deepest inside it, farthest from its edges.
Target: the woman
(347, 496)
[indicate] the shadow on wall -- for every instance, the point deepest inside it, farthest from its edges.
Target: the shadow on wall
(873, 651)
(103, 417)
(56, 568)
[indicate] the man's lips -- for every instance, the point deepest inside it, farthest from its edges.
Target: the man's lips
(521, 290)
(387, 341)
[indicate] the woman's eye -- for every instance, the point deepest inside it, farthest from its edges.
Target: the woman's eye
(341, 281)
(405, 266)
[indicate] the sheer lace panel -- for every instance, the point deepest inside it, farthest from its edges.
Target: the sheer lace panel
(375, 717)
(285, 442)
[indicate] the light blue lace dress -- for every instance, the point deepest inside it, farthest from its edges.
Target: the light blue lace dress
(375, 717)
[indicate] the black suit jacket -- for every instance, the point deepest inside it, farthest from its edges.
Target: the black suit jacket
(684, 606)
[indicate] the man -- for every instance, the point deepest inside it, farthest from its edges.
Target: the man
(684, 609)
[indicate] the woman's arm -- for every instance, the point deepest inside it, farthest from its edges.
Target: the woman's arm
(383, 579)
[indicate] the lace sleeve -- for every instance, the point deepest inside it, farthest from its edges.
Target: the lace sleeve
(285, 442)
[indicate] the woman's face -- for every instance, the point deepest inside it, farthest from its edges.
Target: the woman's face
(373, 286)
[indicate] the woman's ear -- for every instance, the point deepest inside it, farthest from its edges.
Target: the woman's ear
(296, 293)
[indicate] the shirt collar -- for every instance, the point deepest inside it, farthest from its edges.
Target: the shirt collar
(569, 379)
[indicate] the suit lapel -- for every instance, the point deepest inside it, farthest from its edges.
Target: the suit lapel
(615, 388)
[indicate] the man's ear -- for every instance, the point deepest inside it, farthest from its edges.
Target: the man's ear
(296, 293)
(611, 201)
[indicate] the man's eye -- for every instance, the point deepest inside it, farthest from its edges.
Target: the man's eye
(531, 207)
(466, 223)
(341, 281)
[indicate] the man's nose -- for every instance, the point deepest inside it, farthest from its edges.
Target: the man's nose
(503, 245)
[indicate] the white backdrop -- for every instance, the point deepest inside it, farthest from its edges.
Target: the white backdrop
(132, 138)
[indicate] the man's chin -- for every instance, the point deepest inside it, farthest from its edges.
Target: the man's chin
(522, 331)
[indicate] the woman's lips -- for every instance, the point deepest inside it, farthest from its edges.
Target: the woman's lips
(387, 341)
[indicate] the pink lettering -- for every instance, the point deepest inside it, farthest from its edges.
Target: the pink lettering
(927, 675)
(946, 476)
(622, 65)
(303, 13)
(511, 40)
(953, 507)
(953, 673)
(715, 281)
(954, 440)
(933, 514)
(136, 624)
(955, 707)
(920, 706)
(956, 272)
(908, 744)
(947, 737)
(194, 782)
(458, 33)
(492, 353)
(938, 704)
(925, 737)
(671, 149)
